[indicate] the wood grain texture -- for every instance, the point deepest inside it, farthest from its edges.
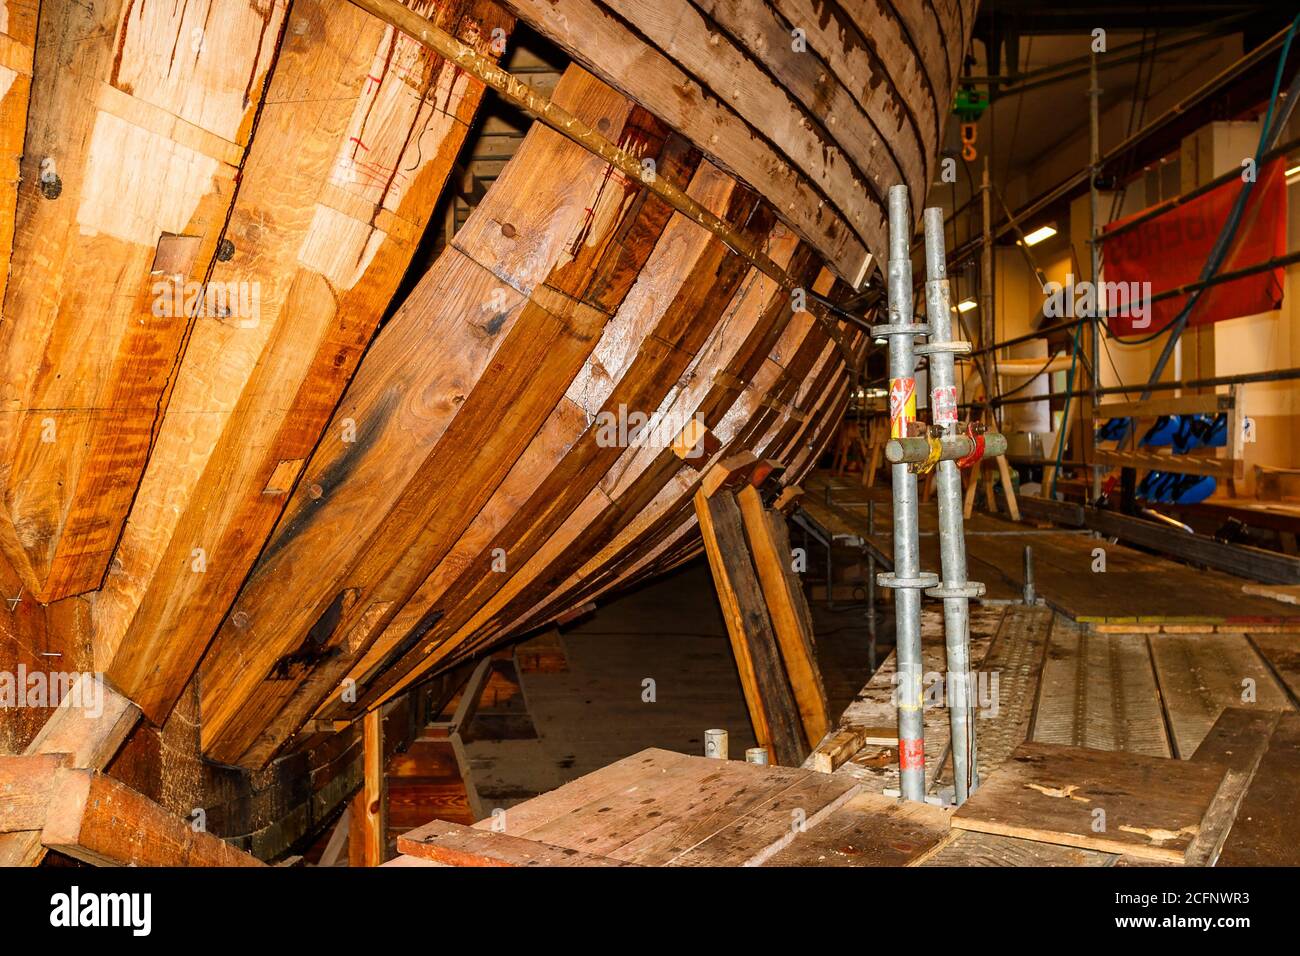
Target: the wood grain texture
(103, 822)
(132, 151)
(352, 150)
(869, 830)
(769, 548)
(1264, 832)
(1150, 807)
(763, 676)
(526, 305)
(26, 786)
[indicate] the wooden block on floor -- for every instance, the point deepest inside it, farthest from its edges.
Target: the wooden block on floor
(869, 830)
(1266, 831)
(457, 845)
(1152, 807)
(832, 753)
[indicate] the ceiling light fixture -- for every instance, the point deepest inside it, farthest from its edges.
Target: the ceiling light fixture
(1039, 234)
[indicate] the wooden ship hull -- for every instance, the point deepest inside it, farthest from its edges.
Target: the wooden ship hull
(263, 480)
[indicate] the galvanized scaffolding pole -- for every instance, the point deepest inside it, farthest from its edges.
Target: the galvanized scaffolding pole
(956, 591)
(906, 577)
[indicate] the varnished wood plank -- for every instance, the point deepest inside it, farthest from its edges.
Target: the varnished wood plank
(371, 836)
(103, 822)
(1119, 803)
(16, 56)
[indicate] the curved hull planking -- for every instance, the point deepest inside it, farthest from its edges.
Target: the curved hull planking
(312, 496)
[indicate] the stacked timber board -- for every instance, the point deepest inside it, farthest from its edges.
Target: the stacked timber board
(659, 808)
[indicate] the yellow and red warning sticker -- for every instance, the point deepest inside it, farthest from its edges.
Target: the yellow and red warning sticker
(902, 405)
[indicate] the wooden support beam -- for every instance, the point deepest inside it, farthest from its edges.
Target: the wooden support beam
(127, 179)
(103, 822)
(615, 46)
(769, 547)
(17, 51)
(539, 441)
(26, 786)
(368, 828)
(88, 728)
(641, 496)
(351, 153)
(772, 707)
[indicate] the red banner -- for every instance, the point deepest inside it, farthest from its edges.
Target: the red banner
(1170, 250)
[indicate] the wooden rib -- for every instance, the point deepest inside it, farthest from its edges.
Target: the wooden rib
(360, 132)
(724, 68)
(749, 322)
(87, 358)
(611, 50)
(103, 822)
(638, 494)
(644, 524)
(882, 144)
(554, 201)
(646, 510)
